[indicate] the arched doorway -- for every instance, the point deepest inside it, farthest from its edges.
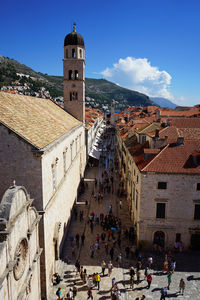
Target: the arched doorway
(159, 239)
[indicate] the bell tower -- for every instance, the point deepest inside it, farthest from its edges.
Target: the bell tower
(74, 75)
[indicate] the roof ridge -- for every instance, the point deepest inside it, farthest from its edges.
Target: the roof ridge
(155, 157)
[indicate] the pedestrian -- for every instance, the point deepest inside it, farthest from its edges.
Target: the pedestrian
(119, 260)
(163, 294)
(77, 240)
(111, 253)
(143, 297)
(173, 266)
(150, 261)
(110, 267)
(181, 286)
(138, 273)
(132, 274)
(91, 226)
(92, 251)
(82, 239)
(127, 250)
(70, 294)
(149, 281)
(108, 233)
(103, 266)
(58, 293)
(120, 204)
(74, 290)
(169, 277)
(77, 265)
(98, 279)
(106, 248)
(90, 294)
(84, 276)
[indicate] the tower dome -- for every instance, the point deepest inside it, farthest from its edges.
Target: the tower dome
(74, 38)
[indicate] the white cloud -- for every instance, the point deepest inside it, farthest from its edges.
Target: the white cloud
(138, 74)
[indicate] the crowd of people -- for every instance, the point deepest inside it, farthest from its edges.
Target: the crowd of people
(108, 235)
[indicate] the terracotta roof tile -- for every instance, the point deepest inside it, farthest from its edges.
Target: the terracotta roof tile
(175, 159)
(39, 121)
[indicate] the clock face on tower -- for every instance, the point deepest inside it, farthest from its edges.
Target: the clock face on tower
(20, 258)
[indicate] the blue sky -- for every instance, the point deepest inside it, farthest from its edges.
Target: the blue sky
(152, 46)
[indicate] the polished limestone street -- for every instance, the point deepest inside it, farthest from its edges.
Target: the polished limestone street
(188, 264)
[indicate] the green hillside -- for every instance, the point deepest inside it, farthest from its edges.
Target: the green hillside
(99, 92)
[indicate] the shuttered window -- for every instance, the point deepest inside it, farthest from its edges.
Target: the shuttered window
(160, 210)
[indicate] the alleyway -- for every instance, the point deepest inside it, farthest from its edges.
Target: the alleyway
(93, 265)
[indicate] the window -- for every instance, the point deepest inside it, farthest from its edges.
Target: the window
(80, 52)
(73, 96)
(66, 53)
(162, 185)
(65, 160)
(54, 176)
(73, 53)
(197, 212)
(136, 200)
(198, 186)
(160, 210)
(76, 75)
(70, 75)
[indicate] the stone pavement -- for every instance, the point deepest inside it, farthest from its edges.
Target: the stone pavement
(188, 264)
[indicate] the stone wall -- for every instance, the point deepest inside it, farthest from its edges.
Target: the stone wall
(19, 163)
(179, 200)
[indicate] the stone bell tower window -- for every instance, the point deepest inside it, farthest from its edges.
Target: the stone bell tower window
(73, 53)
(66, 53)
(70, 75)
(76, 74)
(73, 96)
(80, 53)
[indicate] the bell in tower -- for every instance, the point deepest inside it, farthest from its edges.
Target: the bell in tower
(74, 75)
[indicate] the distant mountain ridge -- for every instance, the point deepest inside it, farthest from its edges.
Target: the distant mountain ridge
(99, 92)
(163, 102)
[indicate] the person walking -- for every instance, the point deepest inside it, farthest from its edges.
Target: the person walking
(103, 266)
(90, 294)
(92, 251)
(74, 290)
(106, 248)
(149, 281)
(163, 294)
(111, 253)
(169, 278)
(82, 239)
(110, 267)
(181, 286)
(58, 293)
(98, 279)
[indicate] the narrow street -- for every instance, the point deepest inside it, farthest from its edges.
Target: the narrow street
(93, 265)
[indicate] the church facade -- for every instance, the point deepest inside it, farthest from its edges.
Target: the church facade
(19, 249)
(43, 148)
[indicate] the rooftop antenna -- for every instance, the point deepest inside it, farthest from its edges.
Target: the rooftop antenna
(74, 27)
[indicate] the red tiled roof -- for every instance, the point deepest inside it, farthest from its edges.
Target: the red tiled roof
(175, 159)
(186, 122)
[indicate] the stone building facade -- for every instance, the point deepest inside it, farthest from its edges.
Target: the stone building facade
(19, 249)
(49, 161)
(162, 187)
(43, 148)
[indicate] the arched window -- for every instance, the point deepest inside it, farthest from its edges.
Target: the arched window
(70, 75)
(80, 53)
(73, 53)
(76, 74)
(66, 53)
